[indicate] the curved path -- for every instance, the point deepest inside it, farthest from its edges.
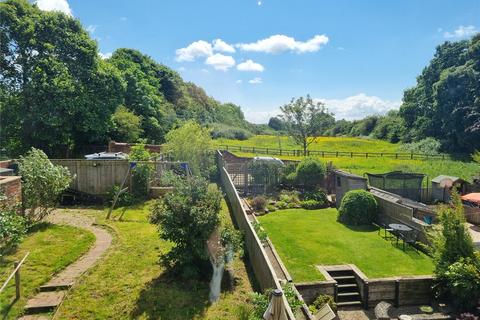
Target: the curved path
(52, 293)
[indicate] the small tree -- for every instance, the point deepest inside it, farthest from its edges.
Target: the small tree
(42, 184)
(127, 126)
(187, 217)
(310, 173)
(191, 143)
(358, 207)
(454, 254)
(305, 120)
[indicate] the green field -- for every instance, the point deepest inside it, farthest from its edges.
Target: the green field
(51, 248)
(360, 165)
(322, 143)
(306, 238)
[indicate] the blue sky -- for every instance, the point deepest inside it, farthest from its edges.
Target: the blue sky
(356, 56)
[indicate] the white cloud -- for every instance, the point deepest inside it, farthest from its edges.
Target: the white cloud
(91, 28)
(461, 32)
(279, 43)
(220, 45)
(256, 80)
(249, 65)
(359, 106)
(123, 18)
(239, 81)
(259, 3)
(105, 55)
(54, 5)
(194, 50)
(182, 69)
(260, 116)
(220, 62)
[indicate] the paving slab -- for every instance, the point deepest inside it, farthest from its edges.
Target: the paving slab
(45, 301)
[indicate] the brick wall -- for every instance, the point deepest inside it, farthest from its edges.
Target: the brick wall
(5, 164)
(11, 187)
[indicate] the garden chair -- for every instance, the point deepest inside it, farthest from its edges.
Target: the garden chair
(385, 229)
(325, 313)
(410, 238)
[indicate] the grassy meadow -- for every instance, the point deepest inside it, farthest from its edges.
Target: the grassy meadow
(131, 284)
(51, 248)
(360, 165)
(307, 238)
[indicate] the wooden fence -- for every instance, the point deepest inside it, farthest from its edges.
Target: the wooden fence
(97, 177)
(261, 266)
(335, 154)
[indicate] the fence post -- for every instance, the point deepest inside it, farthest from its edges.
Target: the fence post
(397, 293)
(336, 154)
(365, 295)
(17, 281)
(253, 150)
(351, 154)
(411, 155)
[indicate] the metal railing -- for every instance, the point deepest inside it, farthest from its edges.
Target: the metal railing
(334, 154)
(15, 273)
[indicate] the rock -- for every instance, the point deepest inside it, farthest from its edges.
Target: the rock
(381, 310)
(405, 317)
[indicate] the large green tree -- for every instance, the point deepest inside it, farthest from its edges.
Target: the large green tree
(57, 94)
(445, 103)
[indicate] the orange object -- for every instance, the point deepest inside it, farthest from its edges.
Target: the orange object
(472, 197)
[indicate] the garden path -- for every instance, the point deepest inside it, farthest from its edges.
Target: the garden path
(52, 293)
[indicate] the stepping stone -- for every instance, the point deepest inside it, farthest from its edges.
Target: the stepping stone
(34, 317)
(56, 285)
(44, 301)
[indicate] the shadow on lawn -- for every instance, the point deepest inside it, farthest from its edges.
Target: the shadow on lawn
(167, 297)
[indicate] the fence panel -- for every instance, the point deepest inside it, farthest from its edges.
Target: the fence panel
(261, 266)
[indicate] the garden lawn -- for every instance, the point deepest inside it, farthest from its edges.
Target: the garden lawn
(51, 248)
(306, 238)
(130, 283)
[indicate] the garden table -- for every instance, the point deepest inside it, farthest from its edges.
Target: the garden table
(398, 227)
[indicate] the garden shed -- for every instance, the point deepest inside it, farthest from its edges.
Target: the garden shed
(442, 187)
(405, 184)
(345, 182)
(471, 206)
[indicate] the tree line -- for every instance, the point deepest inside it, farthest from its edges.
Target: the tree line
(57, 94)
(442, 111)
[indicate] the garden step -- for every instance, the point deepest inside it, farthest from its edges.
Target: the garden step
(54, 286)
(34, 317)
(349, 303)
(347, 285)
(348, 294)
(45, 301)
(343, 277)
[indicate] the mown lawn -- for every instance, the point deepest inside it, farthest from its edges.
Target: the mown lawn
(51, 248)
(130, 283)
(306, 238)
(322, 143)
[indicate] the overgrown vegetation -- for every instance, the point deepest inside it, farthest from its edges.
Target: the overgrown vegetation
(321, 301)
(42, 184)
(187, 217)
(13, 226)
(457, 267)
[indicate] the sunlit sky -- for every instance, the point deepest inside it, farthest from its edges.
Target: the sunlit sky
(356, 56)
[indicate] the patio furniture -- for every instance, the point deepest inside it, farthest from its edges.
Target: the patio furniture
(385, 228)
(399, 228)
(410, 238)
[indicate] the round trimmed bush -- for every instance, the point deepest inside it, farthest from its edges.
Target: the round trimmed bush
(357, 207)
(310, 172)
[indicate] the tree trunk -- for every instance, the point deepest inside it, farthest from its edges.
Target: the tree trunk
(305, 147)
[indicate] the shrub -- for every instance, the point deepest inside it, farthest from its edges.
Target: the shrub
(42, 184)
(457, 268)
(318, 195)
(259, 203)
(425, 146)
(187, 218)
(233, 133)
(282, 205)
(13, 226)
(261, 233)
(463, 282)
(141, 173)
(322, 300)
(312, 204)
(124, 199)
(310, 173)
(358, 207)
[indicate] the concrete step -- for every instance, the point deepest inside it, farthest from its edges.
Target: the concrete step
(34, 317)
(55, 286)
(349, 303)
(45, 301)
(343, 277)
(348, 294)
